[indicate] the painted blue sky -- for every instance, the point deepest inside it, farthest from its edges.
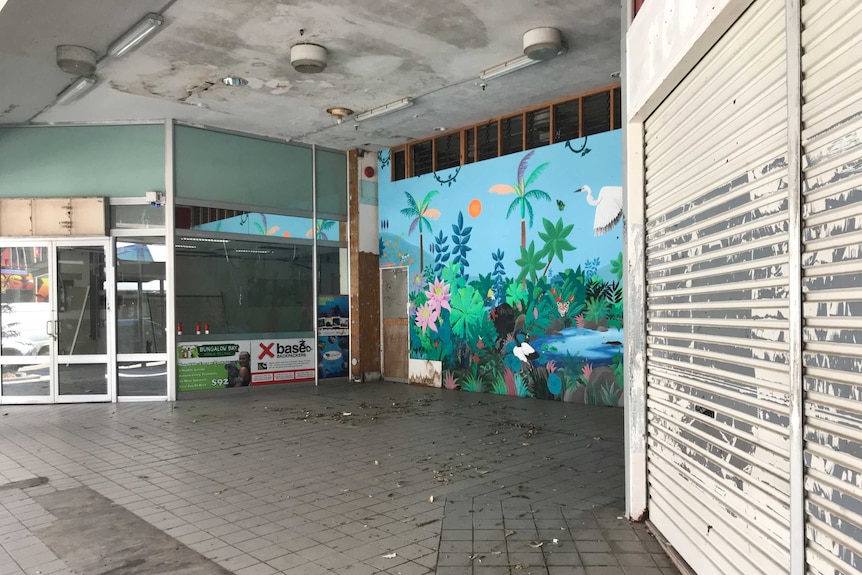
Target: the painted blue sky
(566, 172)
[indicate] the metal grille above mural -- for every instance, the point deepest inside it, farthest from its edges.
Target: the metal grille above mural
(717, 308)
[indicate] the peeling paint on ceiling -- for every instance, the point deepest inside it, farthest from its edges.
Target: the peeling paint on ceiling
(379, 51)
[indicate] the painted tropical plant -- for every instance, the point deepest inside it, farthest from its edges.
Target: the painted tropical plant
(420, 212)
(524, 193)
(321, 227)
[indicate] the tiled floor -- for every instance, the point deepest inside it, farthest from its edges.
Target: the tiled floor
(350, 479)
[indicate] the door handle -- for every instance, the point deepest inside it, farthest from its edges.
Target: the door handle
(49, 329)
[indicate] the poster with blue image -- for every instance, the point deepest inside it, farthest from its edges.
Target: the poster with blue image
(333, 335)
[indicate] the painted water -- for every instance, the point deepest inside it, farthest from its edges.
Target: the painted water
(598, 347)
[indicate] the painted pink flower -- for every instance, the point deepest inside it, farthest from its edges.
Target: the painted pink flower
(579, 321)
(438, 295)
(551, 366)
(587, 371)
(450, 381)
(426, 316)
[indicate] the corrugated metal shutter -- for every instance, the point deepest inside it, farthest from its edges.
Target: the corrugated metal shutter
(717, 304)
(832, 283)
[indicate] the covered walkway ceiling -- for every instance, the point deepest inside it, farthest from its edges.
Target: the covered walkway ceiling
(379, 51)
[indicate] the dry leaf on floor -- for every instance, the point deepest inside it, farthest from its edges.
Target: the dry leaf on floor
(536, 544)
(389, 556)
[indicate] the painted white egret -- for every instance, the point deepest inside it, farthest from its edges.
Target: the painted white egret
(609, 207)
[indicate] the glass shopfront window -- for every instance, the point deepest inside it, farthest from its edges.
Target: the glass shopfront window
(244, 287)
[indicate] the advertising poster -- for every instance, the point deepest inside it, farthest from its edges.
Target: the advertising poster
(333, 331)
(281, 361)
(212, 365)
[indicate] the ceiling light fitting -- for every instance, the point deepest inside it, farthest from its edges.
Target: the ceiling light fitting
(76, 89)
(339, 113)
(543, 43)
(76, 60)
(387, 109)
(234, 81)
(136, 35)
(308, 58)
(507, 67)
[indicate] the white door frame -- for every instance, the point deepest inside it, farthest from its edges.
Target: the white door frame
(54, 359)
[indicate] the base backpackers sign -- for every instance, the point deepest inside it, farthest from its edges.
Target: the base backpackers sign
(281, 361)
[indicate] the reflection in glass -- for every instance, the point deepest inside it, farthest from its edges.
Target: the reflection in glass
(82, 379)
(141, 295)
(82, 312)
(244, 287)
(138, 216)
(331, 270)
(25, 307)
(138, 378)
(25, 380)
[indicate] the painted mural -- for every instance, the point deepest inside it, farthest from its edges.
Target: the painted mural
(516, 270)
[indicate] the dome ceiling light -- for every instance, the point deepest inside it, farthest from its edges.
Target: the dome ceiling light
(76, 60)
(308, 58)
(543, 43)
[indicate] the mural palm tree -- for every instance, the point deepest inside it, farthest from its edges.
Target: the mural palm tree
(420, 212)
(524, 194)
(555, 240)
(321, 226)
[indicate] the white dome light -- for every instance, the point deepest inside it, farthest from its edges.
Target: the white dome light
(543, 43)
(308, 58)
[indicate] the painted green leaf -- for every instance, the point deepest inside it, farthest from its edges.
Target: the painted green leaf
(466, 314)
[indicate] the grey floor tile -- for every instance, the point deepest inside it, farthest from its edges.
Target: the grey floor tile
(299, 492)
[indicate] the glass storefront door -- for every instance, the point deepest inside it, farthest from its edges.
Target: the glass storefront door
(56, 321)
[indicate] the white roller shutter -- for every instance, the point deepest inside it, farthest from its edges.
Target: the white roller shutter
(832, 283)
(717, 304)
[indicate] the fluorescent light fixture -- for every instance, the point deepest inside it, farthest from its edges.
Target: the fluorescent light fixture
(211, 240)
(138, 33)
(387, 109)
(251, 251)
(76, 89)
(184, 246)
(507, 67)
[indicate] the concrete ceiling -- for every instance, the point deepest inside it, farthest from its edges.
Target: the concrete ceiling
(379, 51)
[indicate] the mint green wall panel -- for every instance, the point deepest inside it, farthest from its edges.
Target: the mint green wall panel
(67, 161)
(332, 183)
(218, 167)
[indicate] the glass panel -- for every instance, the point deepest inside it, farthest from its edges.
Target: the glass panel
(618, 109)
(421, 158)
(82, 299)
(83, 161)
(399, 165)
(331, 172)
(487, 141)
(26, 380)
(243, 287)
(332, 270)
(538, 128)
(448, 151)
(141, 295)
(249, 223)
(82, 379)
(218, 167)
(137, 216)
(469, 145)
(597, 113)
(512, 135)
(567, 124)
(136, 378)
(25, 307)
